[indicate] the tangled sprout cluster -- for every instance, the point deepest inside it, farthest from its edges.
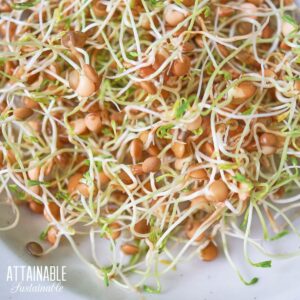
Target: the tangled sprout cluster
(154, 126)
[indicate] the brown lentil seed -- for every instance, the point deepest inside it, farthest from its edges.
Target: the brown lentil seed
(268, 139)
(191, 230)
(30, 103)
(22, 113)
(142, 227)
(90, 72)
(144, 136)
(153, 150)
(74, 39)
(151, 164)
(210, 252)
(115, 231)
(5, 7)
(267, 32)
(52, 235)
(195, 124)
(73, 182)
(35, 207)
(268, 142)
(218, 191)
(174, 17)
(125, 177)
(99, 9)
(93, 121)
(62, 160)
(178, 149)
(79, 126)
(54, 210)
(181, 66)
(34, 173)
(34, 249)
(129, 249)
(243, 92)
(83, 189)
(198, 201)
(146, 71)
(1, 159)
(104, 179)
(255, 2)
(73, 79)
(149, 87)
(225, 11)
(199, 174)
(179, 163)
(86, 87)
(188, 2)
(208, 149)
(136, 149)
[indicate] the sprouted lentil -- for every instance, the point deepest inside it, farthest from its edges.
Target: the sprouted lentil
(153, 123)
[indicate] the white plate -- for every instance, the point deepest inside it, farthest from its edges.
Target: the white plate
(192, 280)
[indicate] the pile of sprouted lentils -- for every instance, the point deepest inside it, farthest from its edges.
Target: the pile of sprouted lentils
(155, 126)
